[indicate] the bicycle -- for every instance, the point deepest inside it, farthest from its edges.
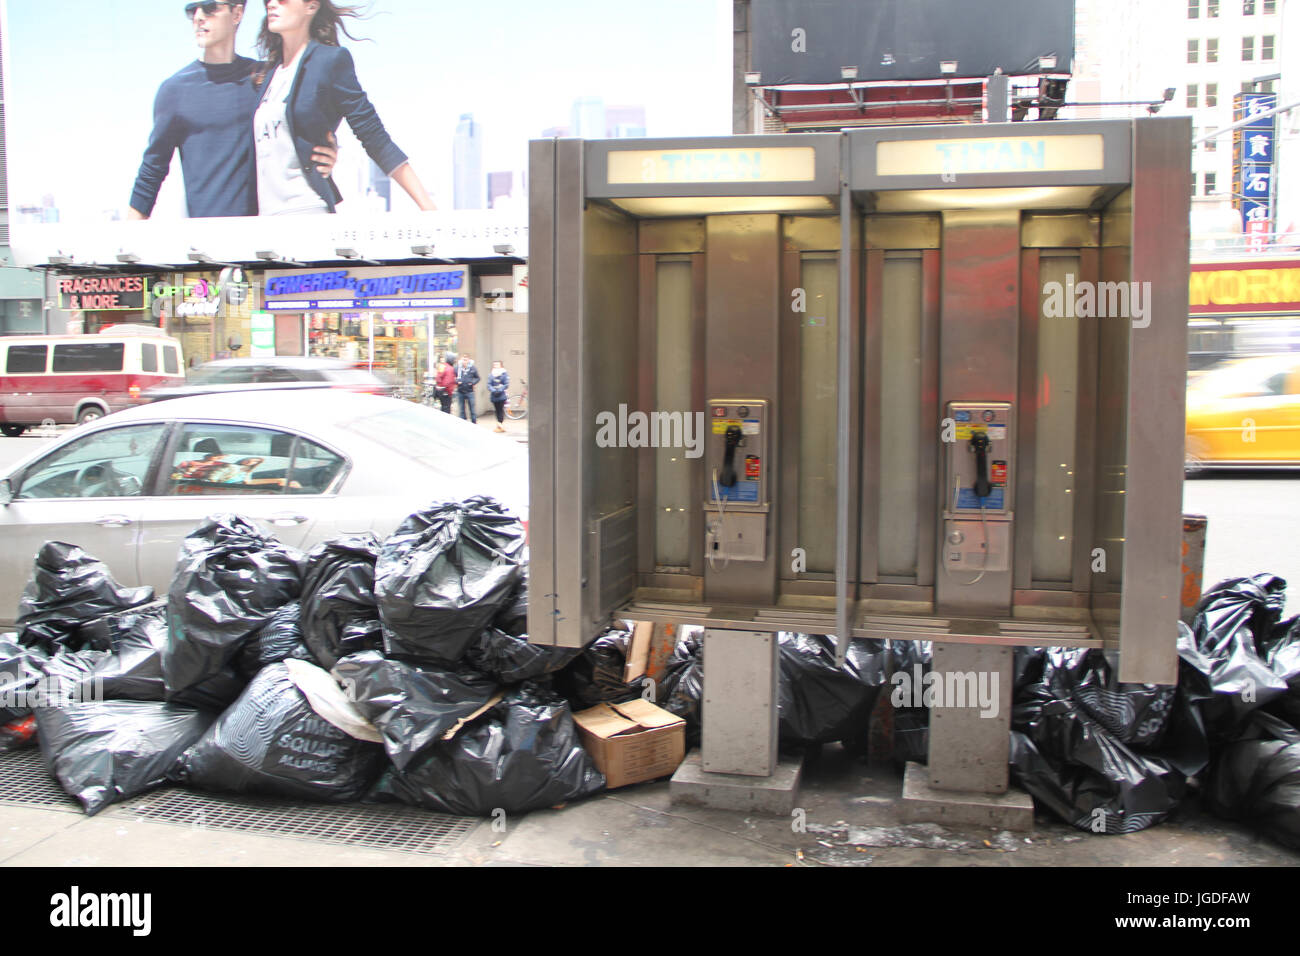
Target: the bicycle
(517, 404)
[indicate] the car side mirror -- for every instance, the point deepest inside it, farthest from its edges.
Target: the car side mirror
(6, 491)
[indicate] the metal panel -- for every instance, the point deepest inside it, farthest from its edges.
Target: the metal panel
(970, 744)
(869, 515)
(978, 352)
(810, 234)
(902, 496)
(670, 236)
(1060, 230)
(1157, 396)
(743, 268)
(1031, 300)
(740, 711)
(918, 231)
(1085, 476)
(825, 181)
(1115, 134)
(542, 199)
(928, 466)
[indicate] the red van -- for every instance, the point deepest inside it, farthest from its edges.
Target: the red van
(78, 378)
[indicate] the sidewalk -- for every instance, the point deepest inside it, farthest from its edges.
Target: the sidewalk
(851, 820)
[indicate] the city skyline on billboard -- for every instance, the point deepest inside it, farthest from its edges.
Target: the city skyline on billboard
(93, 118)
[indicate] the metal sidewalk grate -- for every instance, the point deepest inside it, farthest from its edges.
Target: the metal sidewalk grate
(361, 825)
(24, 780)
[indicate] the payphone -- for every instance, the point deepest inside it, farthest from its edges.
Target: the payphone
(977, 510)
(737, 503)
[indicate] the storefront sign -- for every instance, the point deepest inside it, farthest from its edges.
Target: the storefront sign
(261, 333)
(379, 289)
(1227, 288)
(102, 293)
(1020, 154)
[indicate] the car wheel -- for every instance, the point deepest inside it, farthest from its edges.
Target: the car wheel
(12, 431)
(90, 414)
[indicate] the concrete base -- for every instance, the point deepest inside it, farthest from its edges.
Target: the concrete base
(778, 794)
(1013, 810)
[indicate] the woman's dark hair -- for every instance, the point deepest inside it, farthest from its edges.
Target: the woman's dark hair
(325, 27)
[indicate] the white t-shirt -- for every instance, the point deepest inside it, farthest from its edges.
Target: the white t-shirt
(282, 189)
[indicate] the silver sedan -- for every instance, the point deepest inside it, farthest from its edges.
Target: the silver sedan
(305, 465)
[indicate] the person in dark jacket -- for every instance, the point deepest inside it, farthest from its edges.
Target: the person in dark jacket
(446, 385)
(466, 379)
(308, 86)
(498, 384)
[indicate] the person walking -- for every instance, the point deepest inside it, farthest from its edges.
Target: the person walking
(445, 385)
(466, 379)
(498, 384)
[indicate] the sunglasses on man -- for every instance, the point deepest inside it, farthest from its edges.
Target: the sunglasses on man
(209, 9)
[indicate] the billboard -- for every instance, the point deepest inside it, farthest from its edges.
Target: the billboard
(809, 41)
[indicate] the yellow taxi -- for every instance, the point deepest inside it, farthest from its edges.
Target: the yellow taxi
(1246, 413)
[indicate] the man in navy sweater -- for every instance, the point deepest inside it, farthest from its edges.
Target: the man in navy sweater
(206, 112)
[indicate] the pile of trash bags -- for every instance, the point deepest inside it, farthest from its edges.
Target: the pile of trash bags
(400, 671)
(395, 670)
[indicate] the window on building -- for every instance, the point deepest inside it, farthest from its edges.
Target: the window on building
(1266, 48)
(1212, 51)
(1247, 48)
(1248, 86)
(1211, 145)
(1247, 8)
(1209, 184)
(1211, 94)
(1192, 89)
(1211, 8)
(1193, 9)
(1270, 7)
(1193, 51)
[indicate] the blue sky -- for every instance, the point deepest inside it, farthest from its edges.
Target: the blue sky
(81, 76)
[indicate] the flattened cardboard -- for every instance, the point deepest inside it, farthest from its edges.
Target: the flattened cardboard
(638, 651)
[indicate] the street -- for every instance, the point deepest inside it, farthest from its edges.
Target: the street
(1254, 517)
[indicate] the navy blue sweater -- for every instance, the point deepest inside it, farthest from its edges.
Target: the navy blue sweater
(206, 112)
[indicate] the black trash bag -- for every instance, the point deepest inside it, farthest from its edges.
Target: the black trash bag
(1282, 654)
(21, 669)
(133, 671)
(513, 616)
(69, 588)
(1223, 662)
(106, 632)
(108, 751)
(230, 578)
(69, 676)
(820, 702)
(596, 675)
(279, 639)
(682, 689)
(512, 660)
(522, 754)
(910, 659)
(339, 613)
(444, 574)
(1068, 751)
(411, 706)
(1257, 779)
(273, 740)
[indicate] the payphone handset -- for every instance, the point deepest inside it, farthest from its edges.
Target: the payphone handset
(977, 511)
(736, 501)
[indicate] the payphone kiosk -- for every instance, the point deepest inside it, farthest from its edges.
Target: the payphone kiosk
(913, 383)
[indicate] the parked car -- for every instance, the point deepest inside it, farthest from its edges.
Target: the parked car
(78, 378)
(307, 467)
(1246, 413)
(279, 372)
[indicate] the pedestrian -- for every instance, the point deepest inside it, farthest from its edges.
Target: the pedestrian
(446, 384)
(466, 379)
(498, 385)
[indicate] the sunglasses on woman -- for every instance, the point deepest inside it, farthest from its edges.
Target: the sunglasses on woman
(209, 9)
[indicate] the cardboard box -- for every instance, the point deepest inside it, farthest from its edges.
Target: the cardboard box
(632, 742)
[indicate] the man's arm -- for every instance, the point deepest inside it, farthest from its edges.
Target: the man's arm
(163, 142)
